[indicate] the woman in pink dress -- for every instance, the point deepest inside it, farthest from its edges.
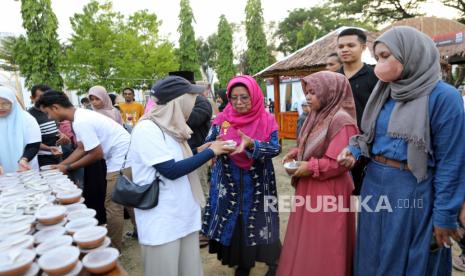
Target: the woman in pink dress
(320, 239)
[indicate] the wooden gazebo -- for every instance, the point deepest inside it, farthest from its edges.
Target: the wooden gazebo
(305, 61)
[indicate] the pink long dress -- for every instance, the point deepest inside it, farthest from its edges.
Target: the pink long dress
(322, 243)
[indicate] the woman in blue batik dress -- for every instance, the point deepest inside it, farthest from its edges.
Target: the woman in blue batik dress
(239, 228)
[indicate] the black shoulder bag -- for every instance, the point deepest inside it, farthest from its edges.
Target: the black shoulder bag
(131, 195)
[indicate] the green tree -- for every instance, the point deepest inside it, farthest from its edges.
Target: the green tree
(144, 56)
(225, 63)
(378, 11)
(302, 26)
(207, 52)
(40, 55)
(112, 51)
(10, 51)
(188, 56)
(93, 48)
(257, 48)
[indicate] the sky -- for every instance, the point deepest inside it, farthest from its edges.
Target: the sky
(206, 13)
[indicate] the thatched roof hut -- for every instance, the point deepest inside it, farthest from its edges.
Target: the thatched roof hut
(449, 36)
(307, 60)
(312, 58)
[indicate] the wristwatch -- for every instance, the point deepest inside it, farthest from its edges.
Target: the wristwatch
(251, 146)
(23, 158)
(68, 167)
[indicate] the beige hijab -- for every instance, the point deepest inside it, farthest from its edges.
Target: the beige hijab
(172, 118)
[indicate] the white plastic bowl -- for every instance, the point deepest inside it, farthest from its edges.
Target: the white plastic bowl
(231, 144)
(46, 168)
(74, 272)
(21, 263)
(91, 237)
(80, 224)
(17, 242)
(74, 207)
(81, 213)
(291, 167)
(101, 261)
(51, 172)
(33, 270)
(16, 229)
(69, 197)
(60, 260)
(106, 243)
(54, 243)
(51, 214)
(40, 226)
(49, 233)
(26, 219)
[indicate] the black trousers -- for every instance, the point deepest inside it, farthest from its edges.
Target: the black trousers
(358, 173)
(95, 188)
(45, 160)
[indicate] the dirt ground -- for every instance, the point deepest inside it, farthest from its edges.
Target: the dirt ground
(131, 259)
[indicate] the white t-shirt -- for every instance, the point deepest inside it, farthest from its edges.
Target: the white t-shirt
(32, 134)
(177, 213)
(93, 129)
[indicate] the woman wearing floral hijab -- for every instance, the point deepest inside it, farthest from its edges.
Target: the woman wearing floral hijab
(240, 230)
(413, 128)
(319, 241)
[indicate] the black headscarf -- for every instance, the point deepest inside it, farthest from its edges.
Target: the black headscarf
(222, 94)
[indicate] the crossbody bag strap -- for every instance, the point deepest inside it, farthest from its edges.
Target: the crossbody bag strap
(157, 174)
(162, 132)
(125, 156)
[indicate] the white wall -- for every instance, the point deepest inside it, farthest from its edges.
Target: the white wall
(297, 95)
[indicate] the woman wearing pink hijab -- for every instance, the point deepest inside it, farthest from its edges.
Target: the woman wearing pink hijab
(101, 103)
(95, 182)
(239, 229)
(320, 239)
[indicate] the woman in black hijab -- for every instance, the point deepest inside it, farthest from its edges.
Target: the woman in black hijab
(221, 99)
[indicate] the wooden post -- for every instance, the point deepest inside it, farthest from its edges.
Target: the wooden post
(277, 104)
(277, 98)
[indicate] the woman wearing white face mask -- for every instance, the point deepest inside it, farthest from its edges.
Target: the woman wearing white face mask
(413, 128)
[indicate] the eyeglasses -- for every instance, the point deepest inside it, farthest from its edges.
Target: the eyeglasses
(5, 105)
(243, 99)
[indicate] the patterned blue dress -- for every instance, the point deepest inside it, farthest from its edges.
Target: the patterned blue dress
(235, 217)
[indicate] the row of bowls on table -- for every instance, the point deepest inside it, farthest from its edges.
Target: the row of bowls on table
(52, 221)
(31, 226)
(79, 228)
(25, 194)
(63, 260)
